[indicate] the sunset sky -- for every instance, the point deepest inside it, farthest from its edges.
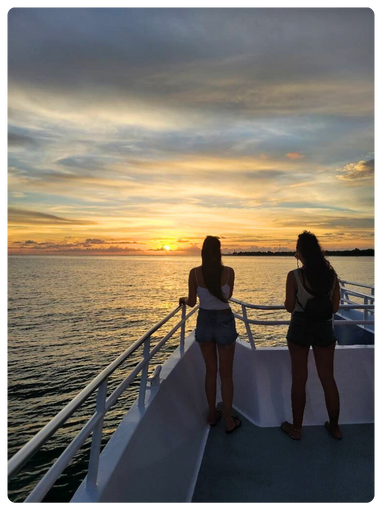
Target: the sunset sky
(141, 131)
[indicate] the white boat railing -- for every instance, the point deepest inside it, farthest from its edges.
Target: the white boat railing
(343, 283)
(94, 425)
(347, 294)
(244, 317)
(103, 405)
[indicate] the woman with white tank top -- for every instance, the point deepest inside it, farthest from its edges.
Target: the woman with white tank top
(215, 328)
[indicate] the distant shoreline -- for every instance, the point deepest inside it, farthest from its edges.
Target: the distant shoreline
(330, 253)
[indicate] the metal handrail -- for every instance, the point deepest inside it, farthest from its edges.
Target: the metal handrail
(100, 383)
(354, 306)
(346, 292)
(282, 307)
(285, 323)
(257, 307)
(36, 442)
(355, 293)
(357, 284)
(344, 322)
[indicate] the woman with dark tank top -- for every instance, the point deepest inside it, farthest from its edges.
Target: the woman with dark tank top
(315, 284)
(215, 328)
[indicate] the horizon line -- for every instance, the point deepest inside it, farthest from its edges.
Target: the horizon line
(175, 254)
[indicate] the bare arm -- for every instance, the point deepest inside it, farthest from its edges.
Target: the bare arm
(336, 296)
(191, 299)
(290, 293)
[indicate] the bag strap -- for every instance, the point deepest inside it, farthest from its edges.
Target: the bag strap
(298, 301)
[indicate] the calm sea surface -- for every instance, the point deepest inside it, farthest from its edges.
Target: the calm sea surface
(70, 317)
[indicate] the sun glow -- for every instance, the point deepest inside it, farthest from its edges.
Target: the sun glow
(167, 247)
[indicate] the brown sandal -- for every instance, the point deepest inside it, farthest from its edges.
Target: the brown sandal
(291, 431)
(219, 414)
(237, 421)
(329, 428)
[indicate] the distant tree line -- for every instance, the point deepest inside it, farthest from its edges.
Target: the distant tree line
(330, 253)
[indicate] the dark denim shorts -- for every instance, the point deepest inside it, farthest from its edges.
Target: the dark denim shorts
(306, 333)
(216, 325)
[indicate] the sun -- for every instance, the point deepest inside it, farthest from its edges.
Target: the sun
(167, 247)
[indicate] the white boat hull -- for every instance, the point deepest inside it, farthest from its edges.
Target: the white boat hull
(156, 452)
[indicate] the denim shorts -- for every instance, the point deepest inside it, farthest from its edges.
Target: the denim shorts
(306, 333)
(216, 325)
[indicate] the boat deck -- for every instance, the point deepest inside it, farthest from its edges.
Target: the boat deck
(256, 464)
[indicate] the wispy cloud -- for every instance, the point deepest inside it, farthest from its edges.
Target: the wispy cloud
(25, 217)
(20, 140)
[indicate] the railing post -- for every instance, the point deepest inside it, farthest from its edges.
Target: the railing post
(365, 312)
(247, 327)
(342, 295)
(96, 438)
(145, 369)
(182, 330)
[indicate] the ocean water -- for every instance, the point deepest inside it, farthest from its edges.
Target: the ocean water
(69, 317)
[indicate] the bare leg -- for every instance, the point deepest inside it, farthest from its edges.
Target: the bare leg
(226, 354)
(299, 360)
(210, 359)
(324, 358)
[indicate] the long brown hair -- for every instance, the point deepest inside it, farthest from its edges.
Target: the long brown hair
(212, 266)
(318, 270)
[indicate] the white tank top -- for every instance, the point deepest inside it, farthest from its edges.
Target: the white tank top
(209, 302)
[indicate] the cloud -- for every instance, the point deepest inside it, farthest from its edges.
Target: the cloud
(313, 221)
(20, 140)
(25, 217)
(158, 68)
(162, 249)
(26, 243)
(357, 171)
(94, 241)
(87, 162)
(294, 155)
(71, 248)
(192, 249)
(310, 205)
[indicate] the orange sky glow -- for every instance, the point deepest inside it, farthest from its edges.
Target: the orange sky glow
(139, 132)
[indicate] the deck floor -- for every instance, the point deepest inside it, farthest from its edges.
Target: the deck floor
(256, 464)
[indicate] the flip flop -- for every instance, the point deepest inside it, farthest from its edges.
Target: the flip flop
(219, 415)
(237, 421)
(329, 429)
(288, 429)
